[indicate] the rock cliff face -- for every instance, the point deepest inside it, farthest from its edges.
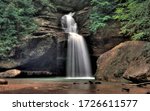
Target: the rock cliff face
(129, 60)
(45, 49)
(104, 40)
(70, 5)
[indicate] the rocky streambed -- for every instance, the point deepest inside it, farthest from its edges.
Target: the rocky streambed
(65, 86)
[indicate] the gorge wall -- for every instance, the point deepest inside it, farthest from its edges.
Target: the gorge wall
(45, 49)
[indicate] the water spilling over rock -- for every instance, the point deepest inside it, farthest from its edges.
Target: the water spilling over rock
(78, 63)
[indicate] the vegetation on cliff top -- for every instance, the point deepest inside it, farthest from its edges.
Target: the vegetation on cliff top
(17, 20)
(134, 16)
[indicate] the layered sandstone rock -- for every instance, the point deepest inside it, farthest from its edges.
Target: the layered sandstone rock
(130, 60)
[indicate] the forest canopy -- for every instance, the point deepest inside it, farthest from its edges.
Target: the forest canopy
(134, 16)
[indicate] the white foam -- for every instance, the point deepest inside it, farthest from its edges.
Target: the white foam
(81, 78)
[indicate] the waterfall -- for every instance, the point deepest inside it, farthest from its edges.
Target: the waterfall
(78, 63)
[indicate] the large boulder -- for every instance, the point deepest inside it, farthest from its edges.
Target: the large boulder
(10, 73)
(15, 73)
(129, 60)
(3, 82)
(138, 72)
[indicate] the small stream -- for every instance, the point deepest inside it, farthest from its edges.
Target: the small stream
(69, 86)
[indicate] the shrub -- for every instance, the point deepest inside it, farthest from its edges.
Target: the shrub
(101, 13)
(135, 18)
(16, 21)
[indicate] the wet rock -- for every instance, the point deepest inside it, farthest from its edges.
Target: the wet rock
(98, 90)
(148, 92)
(137, 73)
(36, 88)
(75, 83)
(91, 82)
(35, 74)
(125, 90)
(140, 85)
(3, 82)
(130, 60)
(143, 84)
(123, 84)
(10, 73)
(86, 83)
(98, 82)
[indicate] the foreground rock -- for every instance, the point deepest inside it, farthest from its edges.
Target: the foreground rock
(36, 74)
(138, 73)
(10, 73)
(3, 82)
(15, 73)
(129, 60)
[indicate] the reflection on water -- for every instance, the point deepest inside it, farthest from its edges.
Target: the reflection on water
(80, 78)
(52, 79)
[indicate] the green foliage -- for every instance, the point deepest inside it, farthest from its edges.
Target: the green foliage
(100, 13)
(41, 5)
(16, 21)
(135, 18)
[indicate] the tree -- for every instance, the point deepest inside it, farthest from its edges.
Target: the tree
(101, 13)
(135, 18)
(17, 20)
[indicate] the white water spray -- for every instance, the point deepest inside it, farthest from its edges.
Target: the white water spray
(78, 63)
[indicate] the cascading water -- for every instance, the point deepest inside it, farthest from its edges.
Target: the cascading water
(78, 63)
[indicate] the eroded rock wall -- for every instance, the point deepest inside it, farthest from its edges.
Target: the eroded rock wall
(45, 49)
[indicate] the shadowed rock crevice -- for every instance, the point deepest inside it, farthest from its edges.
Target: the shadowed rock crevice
(66, 6)
(53, 60)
